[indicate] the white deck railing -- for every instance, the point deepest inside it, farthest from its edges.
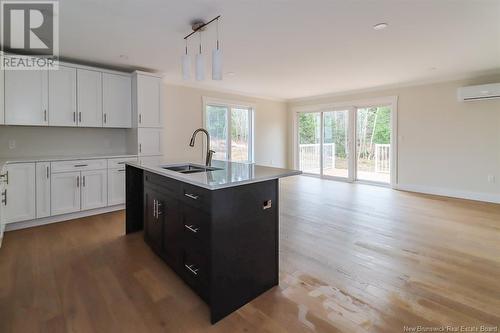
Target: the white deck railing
(310, 155)
(383, 158)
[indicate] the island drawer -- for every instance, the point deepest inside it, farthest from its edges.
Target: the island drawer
(114, 163)
(164, 183)
(195, 224)
(195, 273)
(195, 196)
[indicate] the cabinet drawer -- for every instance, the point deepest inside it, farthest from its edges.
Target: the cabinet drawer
(195, 273)
(115, 163)
(195, 228)
(78, 165)
(196, 196)
(162, 183)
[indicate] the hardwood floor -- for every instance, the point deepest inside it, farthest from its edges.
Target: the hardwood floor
(354, 258)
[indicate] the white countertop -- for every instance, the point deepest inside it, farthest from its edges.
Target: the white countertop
(231, 174)
(29, 159)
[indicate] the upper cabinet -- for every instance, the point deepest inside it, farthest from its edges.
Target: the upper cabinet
(116, 100)
(147, 100)
(89, 97)
(72, 95)
(26, 97)
(62, 97)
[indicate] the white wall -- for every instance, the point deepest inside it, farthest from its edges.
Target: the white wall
(445, 147)
(50, 141)
(183, 113)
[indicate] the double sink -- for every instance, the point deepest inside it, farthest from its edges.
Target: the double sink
(189, 168)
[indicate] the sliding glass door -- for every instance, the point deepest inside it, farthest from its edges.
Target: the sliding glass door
(325, 147)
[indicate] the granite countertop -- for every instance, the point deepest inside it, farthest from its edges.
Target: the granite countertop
(230, 173)
(28, 159)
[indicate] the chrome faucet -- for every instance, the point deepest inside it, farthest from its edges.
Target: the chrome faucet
(208, 161)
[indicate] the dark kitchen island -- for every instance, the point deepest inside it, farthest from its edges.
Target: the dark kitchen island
(216, 227)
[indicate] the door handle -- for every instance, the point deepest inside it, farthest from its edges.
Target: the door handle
(80, 117)
(47, 169)
(140, 118)
(158, 213)
(192, 269)
(140, 147)
(192, 196)
(105, 118)
(4, 195)
(83, 181)
(77, 181)
(74, 117)
(154, 208)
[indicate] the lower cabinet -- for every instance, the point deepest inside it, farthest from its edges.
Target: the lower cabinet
(65, 192)
(18, 195)
(94, 187)
(116, 186)
(78, 190)
(42, 189)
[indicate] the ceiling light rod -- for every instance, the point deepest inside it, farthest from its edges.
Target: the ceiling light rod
(202, 26)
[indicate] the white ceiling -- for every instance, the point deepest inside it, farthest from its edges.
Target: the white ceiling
(289, 49)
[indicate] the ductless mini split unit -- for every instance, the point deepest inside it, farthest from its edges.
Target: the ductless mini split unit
(480, 92)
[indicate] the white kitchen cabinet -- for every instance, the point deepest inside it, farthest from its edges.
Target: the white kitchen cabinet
(42, 189)
(94, 189)
(62, 97)
(26, 97)
(19, 193)
(65, 192)
(149, 141)
(147, 100)
(89, 98)
(116, 100)
(2, 104)
(116, 186)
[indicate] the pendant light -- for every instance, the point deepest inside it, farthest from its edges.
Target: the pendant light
(217, 59)
(200, 64)
(186, 64)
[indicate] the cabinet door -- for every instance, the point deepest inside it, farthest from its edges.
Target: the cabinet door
(89, 98)
(42, 189)
(62, 97)
(65, 192)
(20, 192)
(116, 100)
(153, 228)
(26, 95)
(116, 186)
(169, 214)
(149, 140)
(94, 189)
(148, 101)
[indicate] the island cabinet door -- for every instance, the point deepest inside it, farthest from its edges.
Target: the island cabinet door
(170, 216)
(153, 225)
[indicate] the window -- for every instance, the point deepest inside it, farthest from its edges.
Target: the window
(230, 125)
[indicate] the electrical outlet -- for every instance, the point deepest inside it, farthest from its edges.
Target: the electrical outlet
(12, 144)
(491, 179)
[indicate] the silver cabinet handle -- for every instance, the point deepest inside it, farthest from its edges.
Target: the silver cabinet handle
(77, 181)
(191, 228)
(192, 269)
(47, 169)
(140, 118)
(154, 208)
(83, 181)
(80, 117)
(140, 147)
(105, 118)
(45, 115)
(4, 195)
(192, 196)
(121, 170)
(6, 177)
(80, 165)
(120, 163)
(74, 117)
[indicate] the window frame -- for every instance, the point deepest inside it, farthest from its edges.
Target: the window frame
(230, 104)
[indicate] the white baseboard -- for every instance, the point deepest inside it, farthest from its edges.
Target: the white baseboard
(477, 196)
(61, 218)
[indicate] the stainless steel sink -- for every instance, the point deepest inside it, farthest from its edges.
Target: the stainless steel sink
(189, 168)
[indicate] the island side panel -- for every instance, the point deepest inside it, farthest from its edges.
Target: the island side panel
(134, 200)
(244, 241)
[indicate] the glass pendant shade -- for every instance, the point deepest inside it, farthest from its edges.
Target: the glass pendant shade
(200, 67)
(217, 64)
(186, 67)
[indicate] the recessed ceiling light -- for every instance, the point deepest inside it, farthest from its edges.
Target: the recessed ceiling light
(380, 26)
